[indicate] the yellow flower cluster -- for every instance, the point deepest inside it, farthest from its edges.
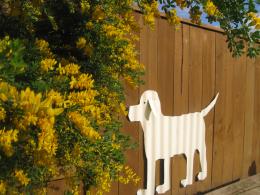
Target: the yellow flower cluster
(69, 69)
(36, 112)
(210, 8)
(98, 13)
(55, 97)
(150, 12)
(84, 5)
(7, 137)
(129, 175)
(43, 47)
(2, 187)
(172, 17)
(2, 114)
(255, 19)
(113, 31)
(8, 93)
(83, 124)
(4, 43)
(83, 44)
(48, 64)
(22, 177)
(47, 140)
(84, 81)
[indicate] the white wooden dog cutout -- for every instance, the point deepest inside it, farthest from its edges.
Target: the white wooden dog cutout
(166, 136)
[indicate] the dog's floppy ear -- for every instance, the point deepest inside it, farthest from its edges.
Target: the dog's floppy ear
(155, 106)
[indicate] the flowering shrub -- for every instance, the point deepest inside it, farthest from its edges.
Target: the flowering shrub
(62, 65)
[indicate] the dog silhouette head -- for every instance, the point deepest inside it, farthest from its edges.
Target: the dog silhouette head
(149, 104)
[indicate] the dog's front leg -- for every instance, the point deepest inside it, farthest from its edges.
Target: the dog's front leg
(166, 185)
(150, 179)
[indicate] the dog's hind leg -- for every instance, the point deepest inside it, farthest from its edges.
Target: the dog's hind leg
(189, 170)
(166, 185)
(203, 163)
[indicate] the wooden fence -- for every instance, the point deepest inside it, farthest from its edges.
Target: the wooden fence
(188, 67)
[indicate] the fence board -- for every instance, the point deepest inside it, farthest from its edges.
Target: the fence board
(219, 125)
(181, 89)
(238, 125)
(148, 56)
(249, 117)
(195, 90)
(165, 72)
(256, 141)
(208, 92)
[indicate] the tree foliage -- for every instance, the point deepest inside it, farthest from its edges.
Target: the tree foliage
(62, 65)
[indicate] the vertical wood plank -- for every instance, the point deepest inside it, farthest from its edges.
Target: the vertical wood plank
(181, 91)
(256, 135)
(249, 117)
(228, 140)
(195, 89)
(165, 71)
(238, 118)
(148, 57)
(219, 125)
(208, 92)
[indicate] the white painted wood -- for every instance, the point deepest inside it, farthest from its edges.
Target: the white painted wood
(166, 136)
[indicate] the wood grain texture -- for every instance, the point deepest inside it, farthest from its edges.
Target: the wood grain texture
(195, 90)
(208, 92)
(165, 72)
(219, 125)
(249, 117)
(148, 57)
(181, 91)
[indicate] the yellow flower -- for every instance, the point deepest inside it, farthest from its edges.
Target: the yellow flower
(22, 177)
(89, 25)
(83, 124)
(69, 69)
(47, 138)
(123, 108)
(81, 43)
(2, 114)
(55, 97)
(173, 18)
(43, 46)
(98, 13)
(84, 5)
(6, 140)
(47, 64)
(8, 92)
(255, 19)
(112, 31)
(2, 187)
(210, 8)
(29, 101)
(84, 81)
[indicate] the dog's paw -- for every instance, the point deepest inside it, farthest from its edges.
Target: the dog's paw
(141, 192)
(162, 188)
(201, 176)
(185, 182)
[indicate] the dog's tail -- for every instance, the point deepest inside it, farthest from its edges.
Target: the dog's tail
(206, 110)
